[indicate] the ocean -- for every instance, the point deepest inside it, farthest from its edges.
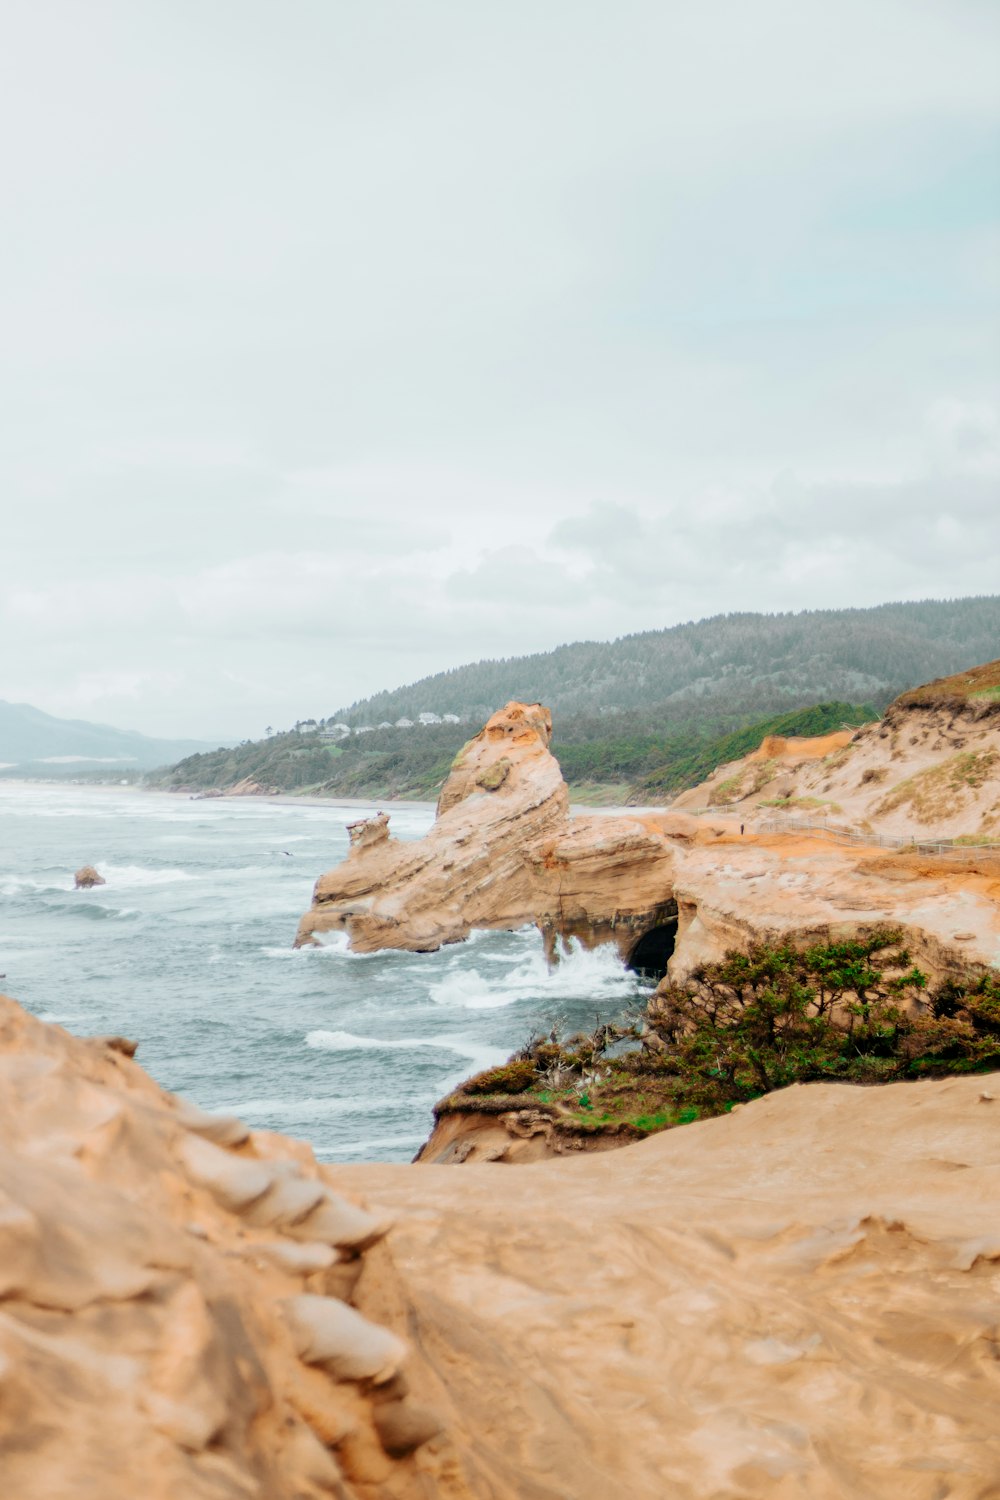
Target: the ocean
(188, 950)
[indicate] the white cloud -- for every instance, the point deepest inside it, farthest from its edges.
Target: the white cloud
(342, 350)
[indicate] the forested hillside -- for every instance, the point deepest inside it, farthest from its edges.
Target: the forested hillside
(747, 662)
(641, 718)
(622, 756)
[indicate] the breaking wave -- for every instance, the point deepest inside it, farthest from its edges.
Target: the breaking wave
(124, 877)
(345, 1041)
(580, 974)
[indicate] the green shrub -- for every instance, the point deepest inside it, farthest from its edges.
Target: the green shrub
(511, 1078)
(854, 1011)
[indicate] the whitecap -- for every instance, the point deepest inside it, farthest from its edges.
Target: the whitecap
(465, 989)
(370, 1143)
(126, 876)
(581, 973)
(14, 885)
(293, 1109)
(336, 945)
(346, 1041)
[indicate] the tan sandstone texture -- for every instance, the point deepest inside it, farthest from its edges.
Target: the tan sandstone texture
(512, 854)
(799, 1301)
(930, 769)
(87, 877)
(503, 851)
(173, 1322)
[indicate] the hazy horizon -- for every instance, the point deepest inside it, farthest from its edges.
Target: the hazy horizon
(345, 345)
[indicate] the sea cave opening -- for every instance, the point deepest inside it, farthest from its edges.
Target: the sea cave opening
(652, 953)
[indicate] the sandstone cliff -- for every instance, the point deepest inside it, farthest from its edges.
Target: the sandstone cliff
(173, 1318)
(503, 851)
(798, 1300)
(930, 769)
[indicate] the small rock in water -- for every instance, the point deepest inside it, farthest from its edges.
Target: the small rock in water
(86, 877)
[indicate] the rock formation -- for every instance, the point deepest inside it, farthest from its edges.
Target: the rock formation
(503, 851)
(930, 769)
(87, 877)
(250, 787)
(798, 1299)
(175, 1317)
(691, 887)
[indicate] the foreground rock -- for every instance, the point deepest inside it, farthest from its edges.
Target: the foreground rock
(502, 852)
(87, 877)
(173, 1318)
(796, 1300)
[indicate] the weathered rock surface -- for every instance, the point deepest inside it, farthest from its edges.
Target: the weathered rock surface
(250, 787)
(172, 1313)
(87, 877)
(796, 1300)
(503, 851)
(512, 855)
(930, 769)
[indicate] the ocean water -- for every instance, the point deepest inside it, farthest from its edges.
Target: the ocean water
(188, 950)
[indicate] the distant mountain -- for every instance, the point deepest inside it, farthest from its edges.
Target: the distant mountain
(750, 662)
(31, 738)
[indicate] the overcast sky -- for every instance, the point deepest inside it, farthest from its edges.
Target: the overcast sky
(344, 342)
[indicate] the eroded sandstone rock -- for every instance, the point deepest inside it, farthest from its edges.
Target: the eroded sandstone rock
(87, 877)
(796, 1300)
(172, 1320)
(511, 853)
(503, 851)
(929, 769)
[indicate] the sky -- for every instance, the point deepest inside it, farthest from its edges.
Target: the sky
(341, 343)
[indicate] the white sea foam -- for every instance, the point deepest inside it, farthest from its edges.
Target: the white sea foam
(580, 974)
(466, 989)
(371, 1143)
(306, 1108)
(15, 885)
(334, 945)
(125, 877)
(346, 1041)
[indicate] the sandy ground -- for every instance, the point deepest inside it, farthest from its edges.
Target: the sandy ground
(799, 1301)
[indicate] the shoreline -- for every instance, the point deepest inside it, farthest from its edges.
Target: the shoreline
(289, 799)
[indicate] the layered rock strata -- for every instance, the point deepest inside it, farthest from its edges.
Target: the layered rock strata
(798, 1299)
(175, 1315)
(930, 769)
(503, 851)
(507, 854)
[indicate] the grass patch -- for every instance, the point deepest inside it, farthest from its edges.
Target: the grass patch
(747, 783)
(942, 790)
(803, 802)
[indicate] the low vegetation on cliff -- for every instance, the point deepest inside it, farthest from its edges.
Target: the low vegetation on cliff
(856, 1011)
(627, 753)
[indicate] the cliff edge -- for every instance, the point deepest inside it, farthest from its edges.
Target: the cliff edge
(503, 851)
(798, 1299)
